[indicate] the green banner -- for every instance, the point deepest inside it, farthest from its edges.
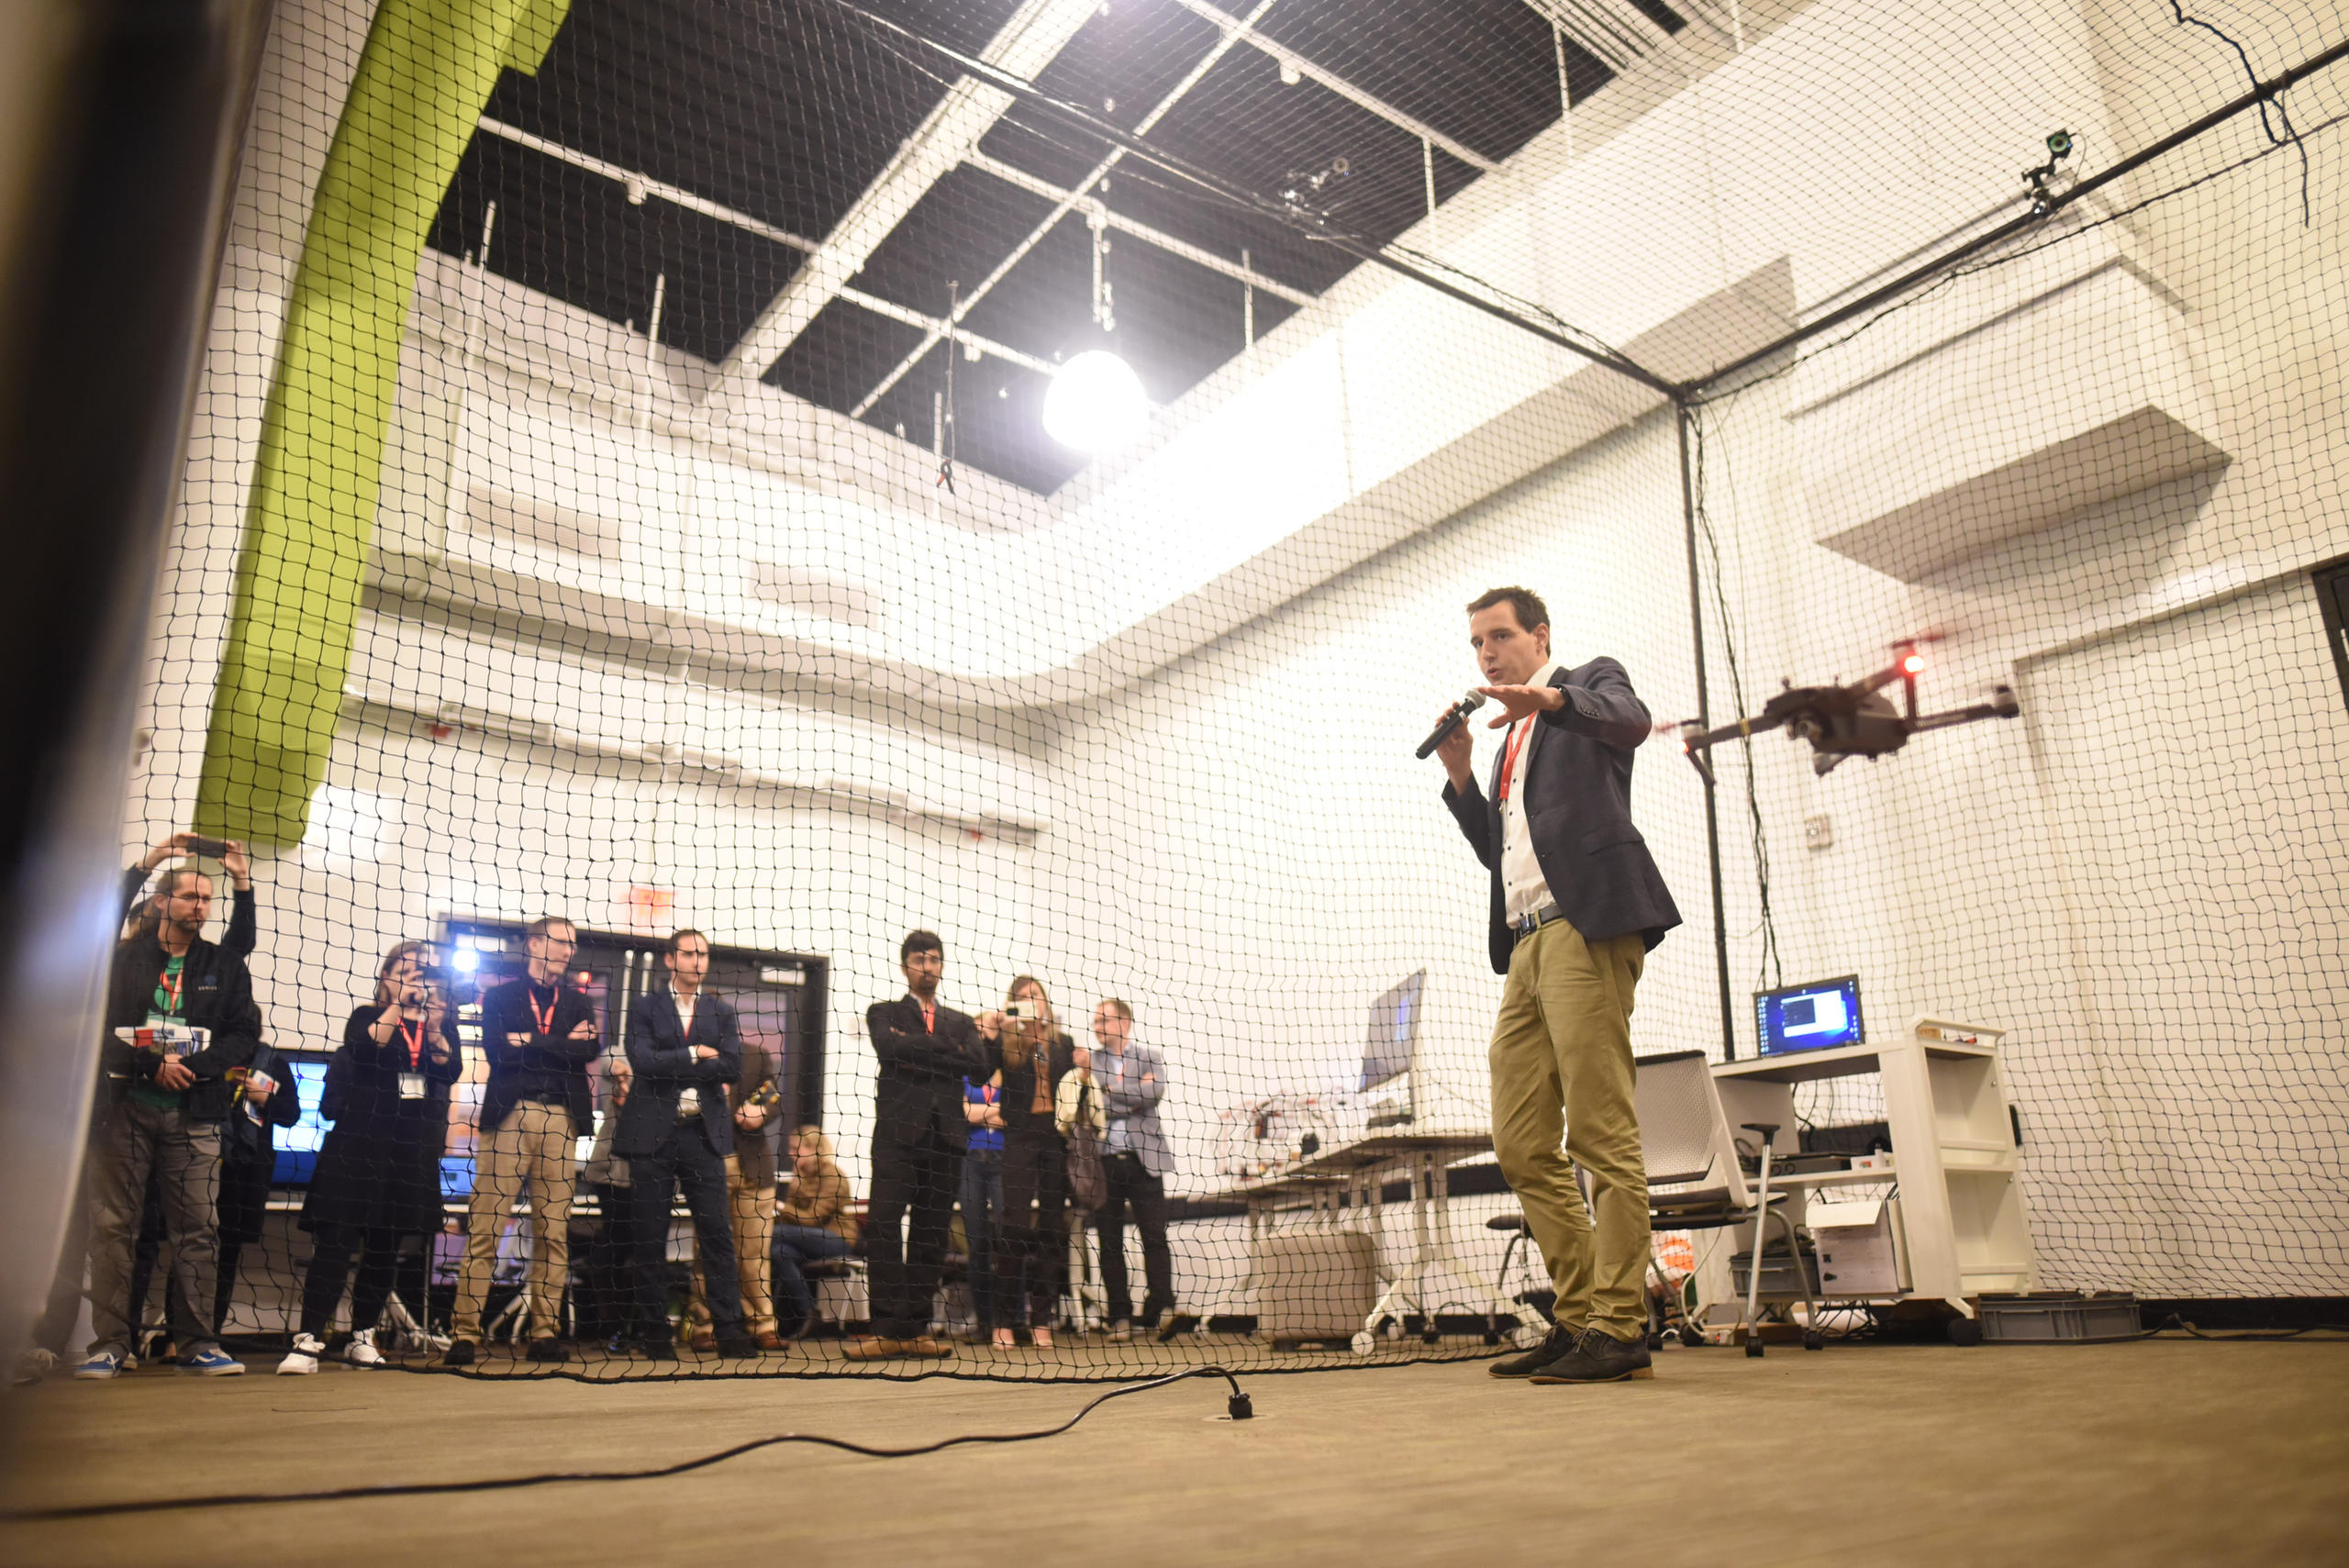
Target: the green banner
(426, 74)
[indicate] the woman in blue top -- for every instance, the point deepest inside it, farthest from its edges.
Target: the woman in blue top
(983, 1194)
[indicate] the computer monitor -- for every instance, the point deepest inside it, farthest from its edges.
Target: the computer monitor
(298, 1146)
(1394, 1029)
(1808, 1017)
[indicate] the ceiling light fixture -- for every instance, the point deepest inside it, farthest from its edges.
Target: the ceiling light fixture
(1094, 403)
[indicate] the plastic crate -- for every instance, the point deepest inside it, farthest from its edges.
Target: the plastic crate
(2059, 1316)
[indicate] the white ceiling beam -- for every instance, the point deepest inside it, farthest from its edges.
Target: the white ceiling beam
(1067, 201)
(642, 185)
(936, 326)
(1292, 60)
(1616, 33)
(1034, 36)
(1011, 174)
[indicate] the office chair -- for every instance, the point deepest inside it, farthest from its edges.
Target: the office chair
(1691, 1155)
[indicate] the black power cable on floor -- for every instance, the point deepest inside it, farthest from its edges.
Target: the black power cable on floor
(1238, 1406)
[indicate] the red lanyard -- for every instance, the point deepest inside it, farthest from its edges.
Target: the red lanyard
(414, 1034)
(170, 985)
(546, 1019)
(1509, 755)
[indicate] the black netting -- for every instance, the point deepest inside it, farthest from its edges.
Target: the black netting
(649, 472)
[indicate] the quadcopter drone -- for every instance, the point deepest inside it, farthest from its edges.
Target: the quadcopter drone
(1857, 720)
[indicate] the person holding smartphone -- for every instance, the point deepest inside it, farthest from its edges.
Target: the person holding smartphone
(378, 1177)
(1032, 1243)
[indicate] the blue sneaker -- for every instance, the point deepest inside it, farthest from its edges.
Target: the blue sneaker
(100, 1366)
(214, 1362)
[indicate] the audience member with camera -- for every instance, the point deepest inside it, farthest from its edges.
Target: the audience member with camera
(540, 1035)
(180, 1017)
(1031, 1256)
(378, 1176)
(675, 1132)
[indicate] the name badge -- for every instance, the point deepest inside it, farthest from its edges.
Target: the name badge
(411, 1085)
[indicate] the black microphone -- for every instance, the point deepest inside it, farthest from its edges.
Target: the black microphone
(1454, 717)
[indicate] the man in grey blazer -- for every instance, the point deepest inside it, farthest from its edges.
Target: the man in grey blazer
(1133, 1080)
(1576, 904)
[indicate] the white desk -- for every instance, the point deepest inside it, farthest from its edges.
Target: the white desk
(1349, 1180)
(1955, 1156)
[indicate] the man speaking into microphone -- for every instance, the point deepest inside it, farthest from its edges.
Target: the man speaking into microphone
(1576, 903)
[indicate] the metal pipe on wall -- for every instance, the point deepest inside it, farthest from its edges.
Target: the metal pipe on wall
(1682, 414)
(124, 172)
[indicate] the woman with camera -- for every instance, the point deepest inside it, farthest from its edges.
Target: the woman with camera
(378, 1176)
(1038, 1062)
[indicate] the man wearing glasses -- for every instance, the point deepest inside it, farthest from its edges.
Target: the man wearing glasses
(540, 1035)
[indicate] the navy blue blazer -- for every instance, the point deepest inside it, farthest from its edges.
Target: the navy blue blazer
(662, 1053)
(1577, 775)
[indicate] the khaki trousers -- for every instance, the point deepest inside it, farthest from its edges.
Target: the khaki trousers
(534, 1147)
(1562, 1067)
(754, 1211)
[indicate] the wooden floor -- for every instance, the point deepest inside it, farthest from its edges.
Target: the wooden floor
(2162, 1451)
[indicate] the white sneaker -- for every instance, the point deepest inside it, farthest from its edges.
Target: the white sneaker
(362, 1351)
(304, 1358)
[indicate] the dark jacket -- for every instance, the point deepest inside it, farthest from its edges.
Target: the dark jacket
(217, 995)
(548, 1065)
(1019, 1093)
(249, 1150)
(918, 1097)
(754, 1152)
(243, 932)
(380, 1166)
(1577, 775)
(661, 1050)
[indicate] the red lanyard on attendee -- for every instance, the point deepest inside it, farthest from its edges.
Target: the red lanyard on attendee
(170, 985)
(1509, 755)
(414, 1034)
(545, 1020)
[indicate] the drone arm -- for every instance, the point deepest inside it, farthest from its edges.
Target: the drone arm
(2002, 704)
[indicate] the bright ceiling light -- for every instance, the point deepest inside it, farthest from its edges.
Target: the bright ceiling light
(1094, 403)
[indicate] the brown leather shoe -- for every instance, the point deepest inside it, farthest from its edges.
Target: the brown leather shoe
(874, 1348)
(769, 1340)
(927, 1347)
(704, 1340)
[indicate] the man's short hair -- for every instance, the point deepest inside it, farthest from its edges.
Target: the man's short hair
(1119, 1006)
(678, 936)
(920, 941)
(1523, 603)
(171, 882)
(545, 923)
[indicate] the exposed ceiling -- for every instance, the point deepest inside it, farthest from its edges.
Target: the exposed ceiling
(803, 193)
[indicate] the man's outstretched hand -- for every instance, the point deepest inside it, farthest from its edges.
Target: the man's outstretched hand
(1522, 702)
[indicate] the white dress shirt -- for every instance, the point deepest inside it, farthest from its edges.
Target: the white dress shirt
(1523, 888)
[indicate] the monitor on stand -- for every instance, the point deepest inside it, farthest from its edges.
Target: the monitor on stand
(1389, 1085)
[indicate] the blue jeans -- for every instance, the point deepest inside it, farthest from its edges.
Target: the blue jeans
(982, 1217)
(794, 1245)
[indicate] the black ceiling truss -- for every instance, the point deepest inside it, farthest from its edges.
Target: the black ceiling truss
(707, 151)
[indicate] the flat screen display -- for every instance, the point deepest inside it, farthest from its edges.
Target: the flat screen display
(298, 1146)
(1816, 1016)
(1393, 1027)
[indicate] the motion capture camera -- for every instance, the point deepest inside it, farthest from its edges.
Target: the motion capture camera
(1307, 192)
(2059, 147)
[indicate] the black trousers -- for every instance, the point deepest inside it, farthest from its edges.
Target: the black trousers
(906, 1229)
(331, 1247)
(684, 1161)
(1034, 1239)
(1132, 1186)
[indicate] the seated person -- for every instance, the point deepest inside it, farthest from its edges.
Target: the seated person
(812, 1225)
